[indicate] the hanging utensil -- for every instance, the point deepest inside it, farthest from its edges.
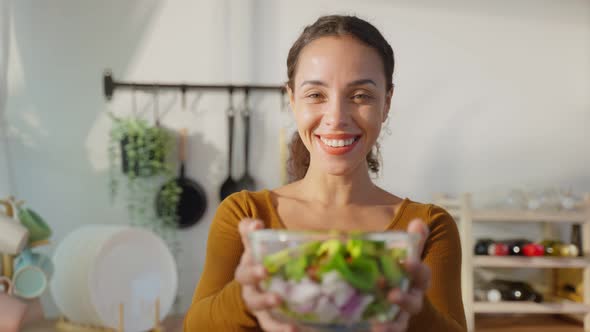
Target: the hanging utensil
(229, 186)
(192, 202)
(247, 181)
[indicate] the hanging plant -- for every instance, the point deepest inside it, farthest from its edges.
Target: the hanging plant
(138, 156)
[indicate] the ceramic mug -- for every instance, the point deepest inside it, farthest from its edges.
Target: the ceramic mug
(12, 313)
(5, 286)
(13, 236)
(32, 274)
(29, 258)
(29, 282)
(38, 228)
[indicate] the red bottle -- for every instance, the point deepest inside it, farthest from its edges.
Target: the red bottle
(533, 249)
(498, 249)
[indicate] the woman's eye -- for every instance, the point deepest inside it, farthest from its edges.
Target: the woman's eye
(314, 95)
(361, 97)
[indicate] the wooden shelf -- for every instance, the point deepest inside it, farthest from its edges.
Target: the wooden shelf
(525, 216)
(526, 323)
(517, 307)
(531, 262)
(461, 208)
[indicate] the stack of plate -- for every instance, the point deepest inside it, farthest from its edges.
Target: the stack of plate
(98, 267)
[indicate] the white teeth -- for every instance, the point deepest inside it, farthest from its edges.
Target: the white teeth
(336, 143)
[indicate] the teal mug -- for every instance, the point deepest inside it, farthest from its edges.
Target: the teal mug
(32, 272)
(38, 228)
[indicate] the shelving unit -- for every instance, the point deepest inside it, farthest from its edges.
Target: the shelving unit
(462, 210)
(530, 262)
(561, 307)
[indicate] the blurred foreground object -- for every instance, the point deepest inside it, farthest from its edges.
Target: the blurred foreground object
(100, 267)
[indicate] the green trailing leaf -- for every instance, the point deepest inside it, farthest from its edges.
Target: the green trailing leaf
(146, 148)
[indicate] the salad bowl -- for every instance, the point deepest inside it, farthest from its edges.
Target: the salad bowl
(333, 281)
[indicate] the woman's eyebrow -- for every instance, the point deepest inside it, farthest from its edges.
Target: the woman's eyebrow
(313, 82)
(362, 81)
(355, 82)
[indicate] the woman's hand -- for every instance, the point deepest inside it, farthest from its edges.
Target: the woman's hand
(249, 274)
(410, 303)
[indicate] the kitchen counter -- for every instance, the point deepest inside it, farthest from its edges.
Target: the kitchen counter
(170, 324)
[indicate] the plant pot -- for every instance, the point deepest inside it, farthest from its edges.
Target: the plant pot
(125, 162)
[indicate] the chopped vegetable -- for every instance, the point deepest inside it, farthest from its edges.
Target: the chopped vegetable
(331, 282)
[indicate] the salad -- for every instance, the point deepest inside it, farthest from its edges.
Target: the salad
(336, 281)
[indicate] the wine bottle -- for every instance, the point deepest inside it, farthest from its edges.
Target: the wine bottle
(515, 247)
(482, 245)
(568, 250)
(533, 249)
(551, 247)
(576, 238)
(515, 290)
(498, 249)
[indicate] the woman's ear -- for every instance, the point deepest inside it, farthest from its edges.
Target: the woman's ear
(387, 104)
(291, 94)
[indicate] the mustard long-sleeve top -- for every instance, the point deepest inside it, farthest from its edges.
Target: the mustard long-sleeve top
(217, 304)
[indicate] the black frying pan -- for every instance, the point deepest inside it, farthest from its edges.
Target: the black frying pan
(193, 200)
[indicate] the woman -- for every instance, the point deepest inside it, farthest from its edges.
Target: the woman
(340, 88)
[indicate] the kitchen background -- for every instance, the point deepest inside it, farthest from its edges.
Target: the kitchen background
(490, 96)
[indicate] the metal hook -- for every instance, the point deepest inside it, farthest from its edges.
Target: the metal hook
(156, 102)
(183, 100)
(245, 109)
(230, 109)
(134, 101)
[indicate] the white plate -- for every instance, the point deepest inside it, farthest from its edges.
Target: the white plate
(133, 267)
(97, 267)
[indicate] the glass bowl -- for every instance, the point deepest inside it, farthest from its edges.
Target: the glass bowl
(333, 281)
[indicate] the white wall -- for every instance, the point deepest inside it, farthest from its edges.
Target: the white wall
(5, 183)
(489, 95)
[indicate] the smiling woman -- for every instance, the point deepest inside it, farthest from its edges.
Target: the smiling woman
(340, 88)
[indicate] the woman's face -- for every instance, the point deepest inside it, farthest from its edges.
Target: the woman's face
(340, 100)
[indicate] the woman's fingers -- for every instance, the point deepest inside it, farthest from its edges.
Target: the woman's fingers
(268, 324)
(245, 227)
(417, 226)
(249, 273)
(420, 275)
(256, 300)
(400, 324)
(412, 300)
(402, 320)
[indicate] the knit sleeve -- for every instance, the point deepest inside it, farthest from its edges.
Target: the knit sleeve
(217, 302)
(443, 306)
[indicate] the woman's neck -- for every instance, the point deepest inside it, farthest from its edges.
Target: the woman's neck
(355, 188)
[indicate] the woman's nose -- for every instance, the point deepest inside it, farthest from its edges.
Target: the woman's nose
(337, 114)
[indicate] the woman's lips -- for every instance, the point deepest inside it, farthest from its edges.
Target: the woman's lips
(340, 150)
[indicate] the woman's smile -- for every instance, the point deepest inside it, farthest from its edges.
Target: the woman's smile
(337, 144)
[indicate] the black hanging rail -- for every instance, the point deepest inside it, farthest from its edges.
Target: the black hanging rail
(110, 85)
